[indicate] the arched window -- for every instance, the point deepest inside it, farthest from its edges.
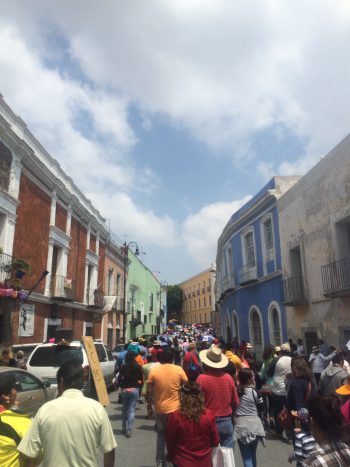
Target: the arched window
(256, 328)
(275, 324)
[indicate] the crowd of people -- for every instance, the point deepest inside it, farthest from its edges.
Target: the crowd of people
(206, 395)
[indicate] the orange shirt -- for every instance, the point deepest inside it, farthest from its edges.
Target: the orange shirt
(166, 379)
(139, 360)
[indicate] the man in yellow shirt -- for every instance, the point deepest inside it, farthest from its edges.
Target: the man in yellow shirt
(164, 382)
(13, 425)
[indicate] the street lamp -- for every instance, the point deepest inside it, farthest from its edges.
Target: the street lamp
(125, 251)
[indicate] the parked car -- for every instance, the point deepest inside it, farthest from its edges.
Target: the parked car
(43, 363)
(32, 392)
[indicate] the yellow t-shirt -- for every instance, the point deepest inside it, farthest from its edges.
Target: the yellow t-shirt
(234, 359)
(9, 456)
(166, 379)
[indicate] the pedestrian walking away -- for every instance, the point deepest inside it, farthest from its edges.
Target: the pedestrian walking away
(130, 377)
(248, 428)
(220, 397)
(191, 431)
(70, 430)
(164, 383)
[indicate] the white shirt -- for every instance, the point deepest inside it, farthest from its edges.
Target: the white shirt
(70, 430)
(318, 361)
(283, 367)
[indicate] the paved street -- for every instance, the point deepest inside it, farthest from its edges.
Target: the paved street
(139, 450)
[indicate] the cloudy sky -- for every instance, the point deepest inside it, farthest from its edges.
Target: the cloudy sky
(170, 114)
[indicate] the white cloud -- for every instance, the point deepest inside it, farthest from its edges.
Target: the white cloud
(202, 230)
(143, 225)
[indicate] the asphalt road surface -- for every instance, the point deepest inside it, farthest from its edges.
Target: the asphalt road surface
(139, 450)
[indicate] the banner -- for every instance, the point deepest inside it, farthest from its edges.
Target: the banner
(26, 320)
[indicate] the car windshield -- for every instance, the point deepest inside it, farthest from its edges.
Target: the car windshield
(47, 356)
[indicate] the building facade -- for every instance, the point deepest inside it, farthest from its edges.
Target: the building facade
(315, 238)
(199, 298)
(48, 223)
(248, 282)
(143, 295)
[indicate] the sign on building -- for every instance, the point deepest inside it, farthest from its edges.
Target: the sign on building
(26, 320)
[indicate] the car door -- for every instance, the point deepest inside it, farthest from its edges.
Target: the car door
(110, 364)
(31, 393)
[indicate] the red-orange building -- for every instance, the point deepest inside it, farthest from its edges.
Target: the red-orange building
(47, 221)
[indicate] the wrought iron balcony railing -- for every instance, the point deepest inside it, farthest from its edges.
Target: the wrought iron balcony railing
(294, 291)
(247, 274)
(336, 278)
(95, 298)
(5, 267)
(63, 289)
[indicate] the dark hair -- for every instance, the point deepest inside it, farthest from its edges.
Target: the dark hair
(167, 356)
(269, 352)
(244, 376)
(129, 357)
(325, 412)
(228, 346)
(191, 401)
(72, 374)
(338, 358)
(301, 368)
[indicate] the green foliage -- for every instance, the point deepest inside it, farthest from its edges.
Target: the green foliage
(174, 301)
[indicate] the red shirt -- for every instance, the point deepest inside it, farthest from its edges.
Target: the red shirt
(189, 443)
(154, 353)
(345, 410)
(187, 358)
(219, 391)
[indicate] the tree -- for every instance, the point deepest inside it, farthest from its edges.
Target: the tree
(174, 302)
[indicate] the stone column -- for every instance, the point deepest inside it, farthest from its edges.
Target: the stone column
(88, 237)
(53, 208)
(9, 233)
(97, 243)
(15, 176)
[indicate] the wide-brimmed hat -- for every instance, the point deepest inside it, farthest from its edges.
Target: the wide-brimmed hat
(277, 349)
(344, 390)
(213, 357)
(156, 343)
(285, 347)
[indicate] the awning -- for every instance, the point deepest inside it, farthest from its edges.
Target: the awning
(109, 302)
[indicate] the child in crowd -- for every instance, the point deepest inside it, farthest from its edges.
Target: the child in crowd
(304, 442)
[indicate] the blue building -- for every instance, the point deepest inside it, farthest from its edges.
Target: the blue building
(248, 282)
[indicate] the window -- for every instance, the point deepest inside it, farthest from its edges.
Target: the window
(27, 382)
(229, 263)
(235, 325)
(118, 285)
(205, 317)
(204, 301)
(145, 319)
(210, 300)
(109, 282)
(101, 353)
(249, 249)
(268, 234)
(199, 303)
(5, 166)
(151, 302)
(256, 328)
(276, 328)
(209, 285)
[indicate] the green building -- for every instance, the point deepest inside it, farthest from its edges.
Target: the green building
(143, 295)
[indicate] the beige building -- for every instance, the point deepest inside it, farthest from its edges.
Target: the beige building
(199, 298)
(314, 220)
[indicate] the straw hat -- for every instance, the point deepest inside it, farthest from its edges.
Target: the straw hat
(344, 390)
(213, 357)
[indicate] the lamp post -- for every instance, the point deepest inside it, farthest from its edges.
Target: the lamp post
(125, 251)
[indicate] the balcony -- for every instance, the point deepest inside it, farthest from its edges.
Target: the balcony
(228, 284)
(95, 298)
(247, 274)
(336, 278)
(63, 289)
(5, 267)
(294, 291)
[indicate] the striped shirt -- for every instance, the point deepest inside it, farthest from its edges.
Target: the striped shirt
(304, 444)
